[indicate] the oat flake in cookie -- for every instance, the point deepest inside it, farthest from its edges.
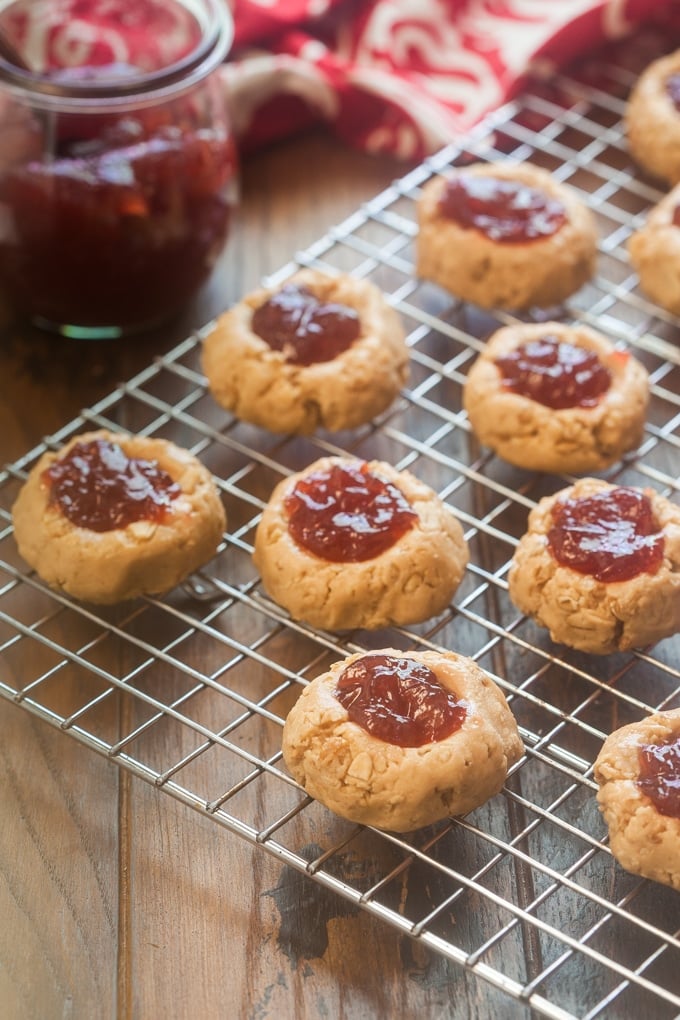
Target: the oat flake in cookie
(505, 236)
(638, 773)
(400, 740)
(112, 516)
(599, 567)
(319, 351)
(348, 543)
(556, 398)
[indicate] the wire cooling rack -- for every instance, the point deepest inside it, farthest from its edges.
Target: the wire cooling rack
(189, 692)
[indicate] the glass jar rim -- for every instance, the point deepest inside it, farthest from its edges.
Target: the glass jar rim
(43, 91)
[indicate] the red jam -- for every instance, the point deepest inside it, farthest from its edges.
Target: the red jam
(121, 228)
(305, 329)
(506, 211)
(554, 373)
(115, 193)
(611, 535)
(346, 514)
(399, 700)
(98, 487)
(659, 777)
(673, 89)
(676, 216)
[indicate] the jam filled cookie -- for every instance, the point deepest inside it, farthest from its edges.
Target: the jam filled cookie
(505, 236)
(318, 352)
(600, 567)
(653, 119)
(638, 772)
(347, 544)
(112, 516)
(550, 397)
(654, 252)
(401, 740)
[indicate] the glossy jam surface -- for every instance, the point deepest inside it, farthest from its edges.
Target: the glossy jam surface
(659, 777)
(399, 700)
(505, 211)
(554, 373)
(305, 329)
(116, 194)
(673, 89)
(610, 535)
(676, 216)
(121, 228)
(347, 514)
(98, 487)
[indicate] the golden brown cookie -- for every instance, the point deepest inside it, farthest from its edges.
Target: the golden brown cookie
(593, 600)
(281, 389)
(380, 547)
(654, 252)
(522, 394)
(113, 516)
(653, 119)
(469, 738)
(496, 267)
(637, 771)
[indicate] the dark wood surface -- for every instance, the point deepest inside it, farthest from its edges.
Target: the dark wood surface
(116, 900)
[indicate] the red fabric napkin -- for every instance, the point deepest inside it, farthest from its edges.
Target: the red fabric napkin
(397, 76)
(404, 76)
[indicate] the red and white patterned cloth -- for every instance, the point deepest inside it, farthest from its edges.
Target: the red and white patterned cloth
(397, 76)
(405, 76)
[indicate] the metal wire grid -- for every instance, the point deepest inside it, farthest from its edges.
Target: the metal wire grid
(189, 692)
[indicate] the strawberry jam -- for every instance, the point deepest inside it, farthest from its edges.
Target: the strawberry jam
(399, 700)
(98, 487)
(611, 535)
(118, 162)
(305, 329)
(346, 514)
(659, 777)
(505, 211)
(554, 373)
(120, 229)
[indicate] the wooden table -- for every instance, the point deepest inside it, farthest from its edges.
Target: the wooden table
(118, 901)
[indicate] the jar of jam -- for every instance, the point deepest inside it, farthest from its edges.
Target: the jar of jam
(117, 162)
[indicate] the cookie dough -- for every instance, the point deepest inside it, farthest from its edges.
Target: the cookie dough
(537, 437)
(375, 782)
(644, 840)
(654, 252)
(653, 121)
(413, 580)
(265, 387)
(541, 272)
(583, 612)
(146, 556)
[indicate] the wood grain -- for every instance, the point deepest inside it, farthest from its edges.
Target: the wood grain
(116, 900)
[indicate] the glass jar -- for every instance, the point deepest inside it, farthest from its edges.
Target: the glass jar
(117, 161)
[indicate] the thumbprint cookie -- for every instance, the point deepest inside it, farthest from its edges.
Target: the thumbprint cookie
(400, 740)
(319, 351)
(113, 516)
(599, 566)
(505, 236)
(556, 398)
(348, 543)
(653, 119)
(654, 252)
(638, 774)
